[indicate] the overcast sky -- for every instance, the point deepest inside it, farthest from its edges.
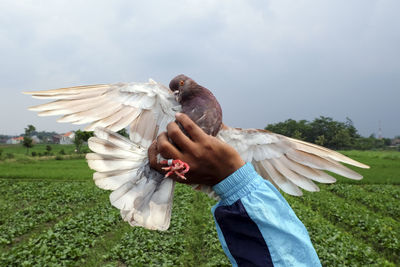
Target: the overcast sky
(266, 61)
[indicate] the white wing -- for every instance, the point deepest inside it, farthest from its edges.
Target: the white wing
(286, 162)
(143, 196)
(146, 108)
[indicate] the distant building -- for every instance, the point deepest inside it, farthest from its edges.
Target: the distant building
(67, 138)
(35, 139)
(20, 139)
(395, 141)
(4, 139)
(15, 140)
(56, 139)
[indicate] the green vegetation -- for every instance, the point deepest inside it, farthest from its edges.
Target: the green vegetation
(28, 142)
(17, 153)
(326, 132)
(38, 148)
(51, 213)
(379, 232)
(75, 169)
(80, 138)
(385, 167)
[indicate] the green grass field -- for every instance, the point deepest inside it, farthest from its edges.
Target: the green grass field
(385, 167)
(38, 148)
(51, 213)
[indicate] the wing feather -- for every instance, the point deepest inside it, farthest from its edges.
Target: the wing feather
(127, 115)
(112, 119)
(286, 162)
(107, 148)
(72, 105)
(295, 178)
(280, 180)
(146, 108)
(144, 129)
(99, 113)
(112, 180)
(71, 93)
(313, 174)
(104, 163)
(320, 163)
(325, 152)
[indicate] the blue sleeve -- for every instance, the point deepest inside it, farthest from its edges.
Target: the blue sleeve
(256, 226)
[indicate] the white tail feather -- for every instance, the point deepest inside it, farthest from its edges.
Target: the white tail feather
(143, 195)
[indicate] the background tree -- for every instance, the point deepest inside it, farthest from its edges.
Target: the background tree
(298, 135)
(320, 140)
(80, 138)
(290, 128)
(48, 150)
(323, 131)
(30, 130)
(28, 142)
(342, 140)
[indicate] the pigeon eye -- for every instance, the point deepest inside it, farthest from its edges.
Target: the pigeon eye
(181, 83)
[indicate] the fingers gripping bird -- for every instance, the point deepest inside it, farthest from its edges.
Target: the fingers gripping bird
(143, 195)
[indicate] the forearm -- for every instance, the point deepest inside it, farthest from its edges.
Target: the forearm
(256, 225)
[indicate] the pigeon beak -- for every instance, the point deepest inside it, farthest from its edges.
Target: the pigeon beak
(176, 94)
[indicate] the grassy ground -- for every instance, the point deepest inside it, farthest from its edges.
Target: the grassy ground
(38, 148)
(384, 167)
(75, 169)
(52, 213)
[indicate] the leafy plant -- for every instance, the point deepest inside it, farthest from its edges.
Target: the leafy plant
(51, 213)
(80, 138)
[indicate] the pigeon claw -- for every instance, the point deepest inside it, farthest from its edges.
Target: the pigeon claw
(175, 166)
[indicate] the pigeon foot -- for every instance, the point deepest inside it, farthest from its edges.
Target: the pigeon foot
(175, 166)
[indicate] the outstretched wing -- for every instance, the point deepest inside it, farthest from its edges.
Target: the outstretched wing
(146, 108)
(286, 162)
(142, 195)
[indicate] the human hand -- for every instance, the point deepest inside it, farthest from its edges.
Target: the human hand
(210, 159)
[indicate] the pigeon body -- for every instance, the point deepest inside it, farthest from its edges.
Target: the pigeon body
(198, 103)
(143, 196)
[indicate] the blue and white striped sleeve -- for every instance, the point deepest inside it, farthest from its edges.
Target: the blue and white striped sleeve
(256, 226)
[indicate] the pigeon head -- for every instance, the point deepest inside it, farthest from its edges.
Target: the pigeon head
(183, 87)
(179, 83)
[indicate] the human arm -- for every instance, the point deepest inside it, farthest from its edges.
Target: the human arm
(255, 224)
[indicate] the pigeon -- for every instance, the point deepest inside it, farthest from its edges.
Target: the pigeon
(144, 196)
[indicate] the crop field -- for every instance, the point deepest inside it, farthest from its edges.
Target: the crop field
(19, 150)
(51, 213)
